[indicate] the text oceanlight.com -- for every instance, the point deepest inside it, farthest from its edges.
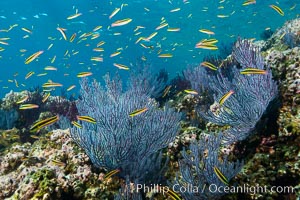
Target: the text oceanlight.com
(213, 188)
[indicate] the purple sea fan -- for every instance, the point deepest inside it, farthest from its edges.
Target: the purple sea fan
(247, 54)
(117, 140)
(198, 77)
(143, 81)
(197, 179)
(251, 97)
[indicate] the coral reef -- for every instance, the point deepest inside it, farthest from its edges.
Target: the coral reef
(287, 37)
(271, 158)
(286, 67)
(12, 116)
(275, 161)
(51, 168)
(9, 137)
(8, 111)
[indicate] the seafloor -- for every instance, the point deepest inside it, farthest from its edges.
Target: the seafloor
(49, 165)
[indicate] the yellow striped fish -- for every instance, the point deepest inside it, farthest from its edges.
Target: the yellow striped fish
(84, 74)
(206, 46)
(72, 37)
(98, 59)
(225, 97)
(221, 176)
(166, 91)
(97, 28)
(50, 68)
(58, 163)
(120, 66)
(76, 124)
(121, 22)
(53, 59)
(173, 195)
(51, 84)
(161, 26)
(23, 99)
(98, 49)
(207, 42)
(62, 32)
(209, 65)
(249, 71)
(42, 74)
(42, 123)
(277, 9)
(46, 97)
(137, 112)
(26, 30)
(71, 87)
(175, 10)
(173, 29)
(206, 31)
(33, 57)
(111, 173)
(165, 55)
(74, 16)
(28, 106)
(100, 43)
(249, 2)
(115, 54)
(190, 91)
(114, 13)
(86, 118)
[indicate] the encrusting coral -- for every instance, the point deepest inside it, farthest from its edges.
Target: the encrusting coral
(51, 168)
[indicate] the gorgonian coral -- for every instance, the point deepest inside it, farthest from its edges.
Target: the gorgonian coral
(121, 141)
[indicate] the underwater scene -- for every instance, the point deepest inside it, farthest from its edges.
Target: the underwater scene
(149, 99)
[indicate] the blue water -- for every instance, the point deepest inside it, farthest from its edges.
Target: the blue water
(43, 17)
